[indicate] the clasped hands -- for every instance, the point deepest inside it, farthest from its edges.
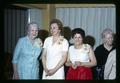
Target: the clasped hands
(50, 71)
(76, 64)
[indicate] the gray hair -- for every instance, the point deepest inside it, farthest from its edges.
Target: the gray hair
(32, 24)
(107, 31)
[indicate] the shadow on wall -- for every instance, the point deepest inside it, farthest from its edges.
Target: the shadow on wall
(89, 40)
(67, 32)
(42, 34)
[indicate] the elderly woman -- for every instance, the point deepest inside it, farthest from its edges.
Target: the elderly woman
(80, 58)
(55, 52)
(25, 58)
(102, 52)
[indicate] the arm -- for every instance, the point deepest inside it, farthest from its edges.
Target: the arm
(92, 58)
(43, 56)
(15, 72)
(64, 54)
(15, 59)
(63, 59)
(68, 62)
(59, 65)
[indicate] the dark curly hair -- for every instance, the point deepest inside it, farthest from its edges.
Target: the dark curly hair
(79, 31)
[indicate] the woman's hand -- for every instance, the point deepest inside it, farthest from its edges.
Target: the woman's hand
(74, 66)
(68, 63)
(51, 72)
(15, 76)
(78, 63)
(46, 70)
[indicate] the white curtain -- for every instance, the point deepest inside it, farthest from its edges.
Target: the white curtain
(92, 20)
(35, 15)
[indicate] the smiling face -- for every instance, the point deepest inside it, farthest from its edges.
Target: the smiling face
(107, 36)
(54, 29)
(78, 40)
(108, 39)
(32, 31)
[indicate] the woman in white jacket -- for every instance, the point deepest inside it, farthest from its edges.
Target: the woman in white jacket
(110, 66)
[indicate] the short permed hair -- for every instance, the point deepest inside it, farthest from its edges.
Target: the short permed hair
(79, 31)
(58, 22)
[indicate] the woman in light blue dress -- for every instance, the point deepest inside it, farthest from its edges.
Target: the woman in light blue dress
(26, 53)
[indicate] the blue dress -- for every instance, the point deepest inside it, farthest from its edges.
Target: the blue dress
(26, 57)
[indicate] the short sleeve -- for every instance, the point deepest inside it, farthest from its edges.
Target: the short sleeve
(65, 45)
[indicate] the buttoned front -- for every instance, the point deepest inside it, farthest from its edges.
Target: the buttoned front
(26, 57)
(54, 55)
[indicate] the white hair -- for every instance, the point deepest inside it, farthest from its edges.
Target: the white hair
(107, 31)
(32, 24)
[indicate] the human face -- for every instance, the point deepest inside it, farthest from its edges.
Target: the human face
(108, 39)
(54, 29)
(32, 32)
(78, 40)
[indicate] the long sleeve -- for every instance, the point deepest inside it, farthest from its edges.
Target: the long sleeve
(109, 65)
(17, 51)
